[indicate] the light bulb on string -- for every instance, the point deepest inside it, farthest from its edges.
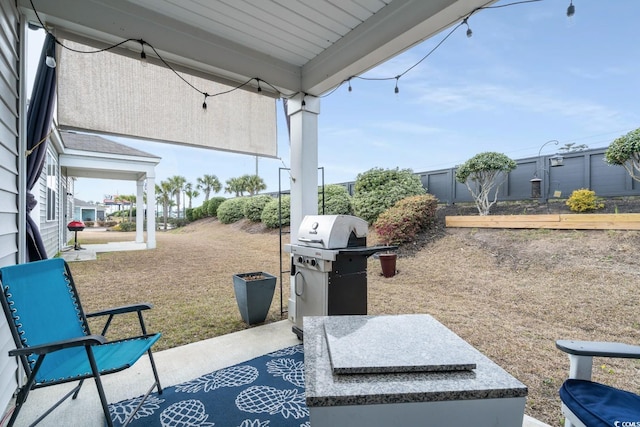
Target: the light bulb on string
(349, 82)
(469, 32)
(143, 55)
(397, 90)
(204, 103)
(259, 88)
(571, 10)
(50, 60)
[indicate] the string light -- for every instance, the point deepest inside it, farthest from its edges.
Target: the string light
(469, 32)
(50, 60)
(571, 10)
(396, 90)
(143, 55)
(204, 103)
(349, 81)
(259, 88)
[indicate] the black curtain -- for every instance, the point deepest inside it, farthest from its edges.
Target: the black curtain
(39, 116)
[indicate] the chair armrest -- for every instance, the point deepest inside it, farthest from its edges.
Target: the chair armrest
(123, 309)
(581, 354)
(59, 345)
(600, 349)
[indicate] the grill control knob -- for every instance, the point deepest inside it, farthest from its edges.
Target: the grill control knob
(313, 263)
(300, 259)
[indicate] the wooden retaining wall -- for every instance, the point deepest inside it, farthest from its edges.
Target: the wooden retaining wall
(625, 221)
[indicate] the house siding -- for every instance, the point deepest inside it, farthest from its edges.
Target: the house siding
(9, 182)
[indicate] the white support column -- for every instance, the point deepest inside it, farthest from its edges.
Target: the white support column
(139, 211)
(151, 212)
(303, 118)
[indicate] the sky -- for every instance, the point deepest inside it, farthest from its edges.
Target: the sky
(528, 75)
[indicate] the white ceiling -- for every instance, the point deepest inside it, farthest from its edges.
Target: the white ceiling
(305, 46)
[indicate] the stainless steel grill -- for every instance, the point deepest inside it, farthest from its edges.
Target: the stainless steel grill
(329, 268)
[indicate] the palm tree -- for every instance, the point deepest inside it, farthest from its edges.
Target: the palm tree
(235, 186)
(209, 183)
(190, 192)
(177, 185)
(254, 184)
(130, 199)
(164, 192)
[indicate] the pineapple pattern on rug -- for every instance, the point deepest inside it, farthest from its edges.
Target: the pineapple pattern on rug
(267, 391)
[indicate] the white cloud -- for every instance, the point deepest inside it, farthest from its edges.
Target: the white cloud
(488, 97)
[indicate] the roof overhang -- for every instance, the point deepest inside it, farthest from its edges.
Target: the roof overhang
(294, 46)
(82, 164)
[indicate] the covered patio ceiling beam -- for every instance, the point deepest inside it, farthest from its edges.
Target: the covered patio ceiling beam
(381, 38)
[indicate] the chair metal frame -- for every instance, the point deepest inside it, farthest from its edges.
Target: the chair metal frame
(33, 356)
(581, 354)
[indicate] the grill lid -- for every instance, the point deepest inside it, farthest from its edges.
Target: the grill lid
(333, 231)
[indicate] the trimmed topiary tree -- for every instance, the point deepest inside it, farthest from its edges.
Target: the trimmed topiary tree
(625, 152)
(377, 189)
(232, 210)
(483, 174)
(270, 216)
(254, 207)
(337, 200)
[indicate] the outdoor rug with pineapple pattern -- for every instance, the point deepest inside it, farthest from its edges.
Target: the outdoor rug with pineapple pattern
(267, 391)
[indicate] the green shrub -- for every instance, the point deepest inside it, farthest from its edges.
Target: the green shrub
(270, 212)
(204, 207)
(254, 207)
(377, 189)
(194, 214)
(213, 205)
(403, 221)
(337, 200)
(197, 213)
(88, 223)
(178, 222)
(127, 226)
(189, 214)
(231, 210)
(584, 200)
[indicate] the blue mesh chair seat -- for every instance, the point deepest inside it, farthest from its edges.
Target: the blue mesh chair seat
(52, 336)
(598, 405)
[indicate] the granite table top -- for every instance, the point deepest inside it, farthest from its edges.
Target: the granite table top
(359, 360)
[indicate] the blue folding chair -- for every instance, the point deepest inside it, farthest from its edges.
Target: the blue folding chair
(589, 404)
(52, 336)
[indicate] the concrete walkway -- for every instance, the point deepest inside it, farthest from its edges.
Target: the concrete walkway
(89, 252)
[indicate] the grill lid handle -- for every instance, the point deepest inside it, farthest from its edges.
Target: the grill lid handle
(307, 240)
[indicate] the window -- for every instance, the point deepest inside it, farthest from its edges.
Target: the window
(52, 187)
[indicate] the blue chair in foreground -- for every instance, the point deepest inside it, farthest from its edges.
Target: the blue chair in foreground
(52, 336)
(589, 404)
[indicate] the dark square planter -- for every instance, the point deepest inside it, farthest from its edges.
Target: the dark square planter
(254, 295)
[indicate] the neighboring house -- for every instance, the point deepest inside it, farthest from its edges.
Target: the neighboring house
(84, 211)
(69, 156)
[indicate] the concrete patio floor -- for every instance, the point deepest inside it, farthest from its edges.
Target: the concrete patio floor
(175, 365)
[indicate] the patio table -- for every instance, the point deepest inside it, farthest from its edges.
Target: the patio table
(403, 370)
